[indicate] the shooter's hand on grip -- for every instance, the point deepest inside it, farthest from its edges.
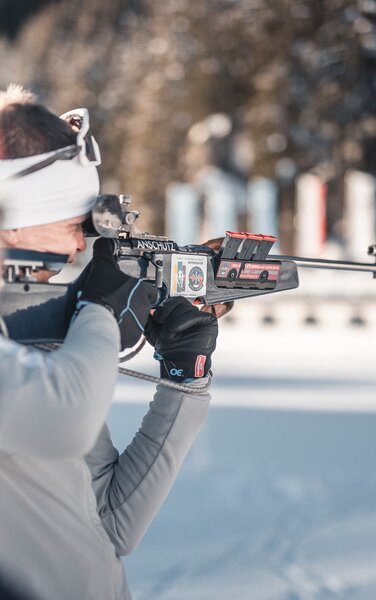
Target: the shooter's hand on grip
(128, 299)
(184, 339)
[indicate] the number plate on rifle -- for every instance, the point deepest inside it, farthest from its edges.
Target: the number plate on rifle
(188, 275)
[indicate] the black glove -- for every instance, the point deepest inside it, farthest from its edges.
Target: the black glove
(129, 299)
(184, 339)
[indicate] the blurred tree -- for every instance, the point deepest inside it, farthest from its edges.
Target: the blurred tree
(14, 13)
(266, 87)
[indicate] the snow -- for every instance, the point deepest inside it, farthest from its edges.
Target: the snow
(277, 498)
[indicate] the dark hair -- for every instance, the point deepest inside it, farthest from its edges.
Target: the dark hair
(28, 128)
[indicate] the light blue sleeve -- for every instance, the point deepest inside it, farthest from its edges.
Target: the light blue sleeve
(53, 405)
(131, 488)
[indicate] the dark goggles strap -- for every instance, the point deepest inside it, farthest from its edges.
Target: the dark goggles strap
(66, 153)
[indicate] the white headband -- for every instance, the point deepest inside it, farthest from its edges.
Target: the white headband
(63, 190)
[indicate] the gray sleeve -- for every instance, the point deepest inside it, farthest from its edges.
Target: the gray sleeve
(52, 405)
(131, 488)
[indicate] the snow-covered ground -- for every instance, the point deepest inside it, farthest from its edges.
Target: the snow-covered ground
(277, 498)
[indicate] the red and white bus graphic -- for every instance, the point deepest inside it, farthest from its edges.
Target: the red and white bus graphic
(245, 261)
(237, 271)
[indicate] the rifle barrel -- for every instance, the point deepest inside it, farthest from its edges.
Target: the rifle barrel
(321, 263)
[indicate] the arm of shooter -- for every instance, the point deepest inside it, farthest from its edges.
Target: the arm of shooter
(52, 405)
(131, 488)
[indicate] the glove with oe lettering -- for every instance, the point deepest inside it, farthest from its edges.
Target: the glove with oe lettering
(183, 338)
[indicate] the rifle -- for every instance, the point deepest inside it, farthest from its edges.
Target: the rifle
(242, 267)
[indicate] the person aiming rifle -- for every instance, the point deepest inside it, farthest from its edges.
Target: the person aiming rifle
(71, 505)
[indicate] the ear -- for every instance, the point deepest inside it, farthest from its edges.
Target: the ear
(10, 237)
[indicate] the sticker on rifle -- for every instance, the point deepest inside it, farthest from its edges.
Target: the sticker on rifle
(188, 275)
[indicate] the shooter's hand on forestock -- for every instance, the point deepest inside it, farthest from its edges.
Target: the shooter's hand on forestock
(184, 339)
(128, 299)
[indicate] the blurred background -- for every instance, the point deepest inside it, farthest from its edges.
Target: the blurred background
(255, 115)
(244, 114)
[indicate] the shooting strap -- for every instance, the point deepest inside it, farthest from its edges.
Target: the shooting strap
(180, 387)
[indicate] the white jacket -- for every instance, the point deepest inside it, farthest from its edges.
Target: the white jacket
(64, 525)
